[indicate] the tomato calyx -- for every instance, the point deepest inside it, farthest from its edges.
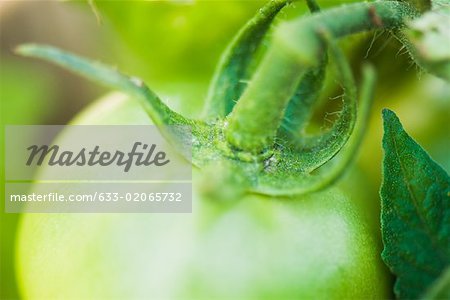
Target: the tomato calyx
(255, 136)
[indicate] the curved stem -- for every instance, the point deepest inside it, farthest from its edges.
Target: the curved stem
(294, 183)
(227, 84)
(295, 47)
(315, 151)
(350, 150)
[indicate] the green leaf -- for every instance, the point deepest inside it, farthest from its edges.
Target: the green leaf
(415, 216)
(227, 85)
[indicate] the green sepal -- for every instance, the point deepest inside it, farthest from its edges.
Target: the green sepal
(160, 113)
(302, 104)
(163, 117)
(281, 174)
(227, 85)
(314, 151)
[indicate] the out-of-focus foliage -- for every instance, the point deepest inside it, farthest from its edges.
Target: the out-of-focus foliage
(174, 45)
(30, 93)
(19, 105)
(175, 40)
(26, 103)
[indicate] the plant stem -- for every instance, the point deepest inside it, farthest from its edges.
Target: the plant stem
(254, 120)
(296, 46)
(227, 84)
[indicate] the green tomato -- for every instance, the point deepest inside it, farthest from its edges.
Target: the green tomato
(257, 247)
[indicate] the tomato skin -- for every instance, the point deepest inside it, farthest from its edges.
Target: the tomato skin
(257, 247)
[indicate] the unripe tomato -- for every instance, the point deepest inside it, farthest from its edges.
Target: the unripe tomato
(257, 247)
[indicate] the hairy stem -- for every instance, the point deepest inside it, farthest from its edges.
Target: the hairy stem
(315, 151)
(297, 46)
(302, 104)
(227, 84)
(254, 120)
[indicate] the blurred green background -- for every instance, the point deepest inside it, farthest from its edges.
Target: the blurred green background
(174, 46)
